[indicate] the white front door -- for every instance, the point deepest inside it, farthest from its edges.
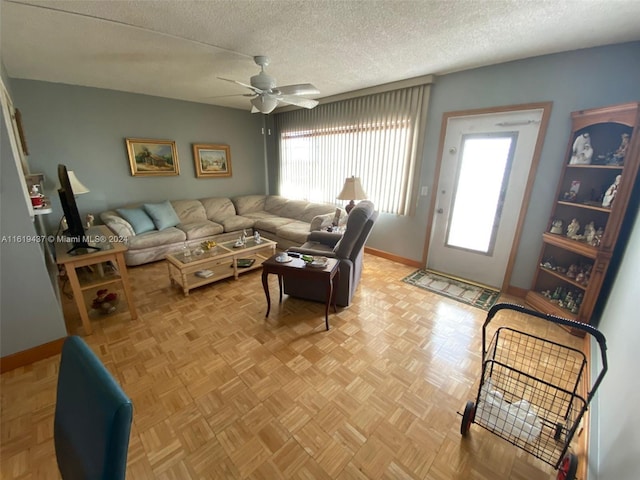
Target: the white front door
(485, 166)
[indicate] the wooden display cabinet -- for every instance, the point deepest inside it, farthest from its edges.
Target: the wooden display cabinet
(571, 271)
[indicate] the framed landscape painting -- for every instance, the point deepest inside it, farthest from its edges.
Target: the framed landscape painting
(212, 160)
(152, 158)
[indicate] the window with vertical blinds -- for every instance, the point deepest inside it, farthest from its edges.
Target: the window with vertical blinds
(374, 137)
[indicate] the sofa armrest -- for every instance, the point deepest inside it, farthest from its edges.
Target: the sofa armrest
(330, 239)
(321, 221)
(117, 224)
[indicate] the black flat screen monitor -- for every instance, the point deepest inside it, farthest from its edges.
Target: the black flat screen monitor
(75, 230)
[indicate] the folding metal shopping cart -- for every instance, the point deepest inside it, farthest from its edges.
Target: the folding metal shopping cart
(532, 391)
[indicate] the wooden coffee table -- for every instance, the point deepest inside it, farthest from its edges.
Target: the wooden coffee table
(299, 270)
(222, 260)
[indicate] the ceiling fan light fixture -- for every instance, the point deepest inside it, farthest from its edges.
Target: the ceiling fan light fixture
(264, 104)
(267, 96)
(263, 81)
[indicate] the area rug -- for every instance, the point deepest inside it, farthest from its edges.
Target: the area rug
(474, 295)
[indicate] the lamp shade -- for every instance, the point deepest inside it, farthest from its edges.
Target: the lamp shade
(352, 190)
(76, 185)
(264, 104)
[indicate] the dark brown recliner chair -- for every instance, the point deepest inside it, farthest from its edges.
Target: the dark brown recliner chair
(348, 248)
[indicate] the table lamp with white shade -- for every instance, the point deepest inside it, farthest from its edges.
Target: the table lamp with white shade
(76, 185)
(352, 190)
(78, 189)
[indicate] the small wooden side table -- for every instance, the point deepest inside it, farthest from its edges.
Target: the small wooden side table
(298, 269)
(111, 250)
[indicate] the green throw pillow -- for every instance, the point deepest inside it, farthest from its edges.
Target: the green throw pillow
(138, 218)
(162, 214)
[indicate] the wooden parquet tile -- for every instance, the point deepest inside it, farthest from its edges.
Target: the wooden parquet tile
(220, 392)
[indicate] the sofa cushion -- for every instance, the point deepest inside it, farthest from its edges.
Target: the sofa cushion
(154, 239)
(162, 214)
(259, 215)
(202, 229)
(274, 204)
(249, 203)
(218, 209)
(271, 224)
(137, 218)
(294, 209)
(296, 231)
(189, 211)
(237, 222)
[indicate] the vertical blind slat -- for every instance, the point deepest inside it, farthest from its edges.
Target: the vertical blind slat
(373, 137)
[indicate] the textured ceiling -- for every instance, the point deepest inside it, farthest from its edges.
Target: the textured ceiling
(177, 48)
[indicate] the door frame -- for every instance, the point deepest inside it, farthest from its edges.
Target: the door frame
(546, 113)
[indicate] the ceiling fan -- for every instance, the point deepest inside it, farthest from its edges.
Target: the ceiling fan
(266, 95)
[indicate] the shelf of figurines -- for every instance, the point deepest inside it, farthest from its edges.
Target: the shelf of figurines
(596, 146)
(585, 241)
(572, 245)
(568, 300)
(586, 205)
(577, 275)
(586, 191)
(596, 166)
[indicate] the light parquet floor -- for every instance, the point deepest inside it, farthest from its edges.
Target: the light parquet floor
(221, 393)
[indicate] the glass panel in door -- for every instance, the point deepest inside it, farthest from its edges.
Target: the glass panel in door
(480, 189)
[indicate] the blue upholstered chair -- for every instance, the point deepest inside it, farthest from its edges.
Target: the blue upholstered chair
(92, 417)
(348, 248)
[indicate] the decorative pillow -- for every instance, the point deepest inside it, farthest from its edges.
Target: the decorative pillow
(138, 218)
(162, 214)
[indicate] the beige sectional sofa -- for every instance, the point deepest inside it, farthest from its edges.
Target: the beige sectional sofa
(287, 222)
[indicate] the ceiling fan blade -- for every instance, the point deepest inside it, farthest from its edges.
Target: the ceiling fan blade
(299, 89)
(297, 101)
(257, 90)
(234, 95)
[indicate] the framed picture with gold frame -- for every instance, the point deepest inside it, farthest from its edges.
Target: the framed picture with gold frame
(152, 158)
(212, 160)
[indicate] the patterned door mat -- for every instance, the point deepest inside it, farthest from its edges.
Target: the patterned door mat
(474, 295)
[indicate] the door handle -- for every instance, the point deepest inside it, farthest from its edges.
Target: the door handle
(440, 210)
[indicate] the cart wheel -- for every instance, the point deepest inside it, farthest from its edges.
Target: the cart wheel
(568, 467)
(467, 417)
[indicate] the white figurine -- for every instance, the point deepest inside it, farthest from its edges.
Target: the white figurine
(589, 232)
(556, 226)
(582, 151)
(610, 194)
(572, 229)
(597, 238)
(618, 156)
